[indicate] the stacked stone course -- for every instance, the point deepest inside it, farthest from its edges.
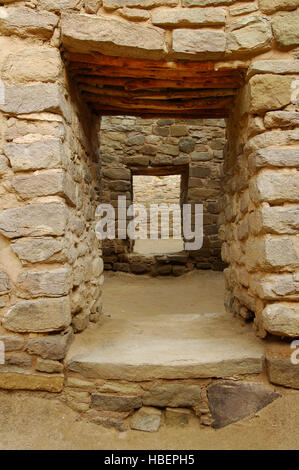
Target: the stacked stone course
(50, 261)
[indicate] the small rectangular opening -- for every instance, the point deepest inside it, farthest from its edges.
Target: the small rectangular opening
(166, 193)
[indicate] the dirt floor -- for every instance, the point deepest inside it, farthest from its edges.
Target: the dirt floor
(34, 421)
(42, 421)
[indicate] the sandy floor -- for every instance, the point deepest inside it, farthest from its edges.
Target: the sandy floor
(37, 422)
(41, 421)
(161, 246)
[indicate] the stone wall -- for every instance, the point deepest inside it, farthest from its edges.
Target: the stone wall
(50, 281)
(259, 221)
(192, 148)
(50, 260)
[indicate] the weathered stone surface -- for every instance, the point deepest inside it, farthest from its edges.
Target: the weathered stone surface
(187, 144)
(231, 401)
(273, 138)
(26, 22)
(280, 368)
(243, 9)
(34, 156)
(205, 3)
(21, 380)
(32, 99)
(34, 220)
(134, 14)
(80, 321)
(285, 29)
(92, 6)
(53, 283)
(273, 66)
(113, 37)
(113, 4)
(4, 283)
(281, 318)
(57, 5)
(278, 220)
(39, 315)
(276, 286)
(49, 366)
(198, 44)
(107, 402)
(271, 252)
(146, 419)
(275, 157)
(32, 65)
(281, 119)
(117, 173)
(52, 347)
(177, 416)
(78, 383)
(20, 359)
(45, 183)
(249, 35)
(269, 92)
(118, 387)
(275, 187)
(271, 6)
(173, 395)
(35, 250)
(12, 343)
(196, 17)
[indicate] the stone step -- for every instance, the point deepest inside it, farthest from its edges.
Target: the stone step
(164, 347)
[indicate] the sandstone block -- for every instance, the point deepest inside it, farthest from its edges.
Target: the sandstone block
(268, 92)
(285, 29)
(271, 6)
(45, 183)
(173, 395)
(134, 14)
(249, 35)
(280, 369)
(25, 22)
(275, 157)
(113, 37)
(41, 315)
(35, 156)
(281, 119)
(34, 64)
(146, 419)
(198, 44)
(281, 286)
(12, 343)
(117, 173)
(205, 3)
(125, 388)
(107, 402)
(4, 283)
(32, 99)
(36, 250)
(53, 283)
(279, 220)
(92, 6)
(57, 5)
(46, 365)
(281, 318)
(166, 17)
(52, 347)
(34, 220)
(273, 66)
(113, 4)
(275, 186)
(11, 380)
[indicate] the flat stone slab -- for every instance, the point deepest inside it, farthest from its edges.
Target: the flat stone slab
(140, 342)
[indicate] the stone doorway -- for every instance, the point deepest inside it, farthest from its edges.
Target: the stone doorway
(186, 63)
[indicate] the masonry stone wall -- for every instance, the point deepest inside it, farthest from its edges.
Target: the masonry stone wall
(51, 268)
(192, 148)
